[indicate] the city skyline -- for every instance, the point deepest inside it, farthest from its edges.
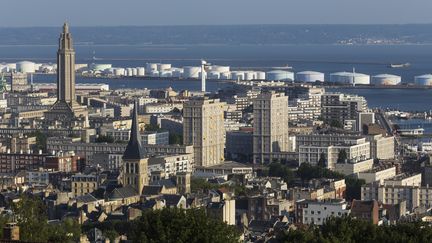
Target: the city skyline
(138, 13)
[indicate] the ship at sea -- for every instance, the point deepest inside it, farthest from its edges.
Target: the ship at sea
(400, 65)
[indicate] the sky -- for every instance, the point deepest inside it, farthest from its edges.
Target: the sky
(26, 13)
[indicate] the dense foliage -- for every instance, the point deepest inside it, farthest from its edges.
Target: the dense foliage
(307, 172)
(175, 139)
(172, 225)
(34, 227)
(280, 170)
(349, 230)
(104, 139)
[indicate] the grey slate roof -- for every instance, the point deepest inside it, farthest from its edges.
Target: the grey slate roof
(123, 192)
(134, 150)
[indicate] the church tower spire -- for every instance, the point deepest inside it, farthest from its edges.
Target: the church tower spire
(134, 162)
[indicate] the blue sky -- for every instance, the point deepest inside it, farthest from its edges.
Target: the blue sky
(187, 12)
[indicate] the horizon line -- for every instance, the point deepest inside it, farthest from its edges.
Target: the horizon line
(214, 25)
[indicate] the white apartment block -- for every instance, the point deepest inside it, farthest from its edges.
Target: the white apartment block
(171, 164)
(203, 127)
(270, 129)
(382, 147)
(404, 180)
(354, 168)
(146, 137)
(355, 153)
(414, 196)
(318, 212)
(378, 174)
(159, 108)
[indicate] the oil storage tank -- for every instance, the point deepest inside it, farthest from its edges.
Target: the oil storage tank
(280, 75)
(25, 67)
(191, 72)
(349, 78)
(425, 79)
(386, 79)
(150, 67)
(309, 76)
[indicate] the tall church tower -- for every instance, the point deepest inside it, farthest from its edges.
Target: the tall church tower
(134, 162)
(66, 107)
(66, 68)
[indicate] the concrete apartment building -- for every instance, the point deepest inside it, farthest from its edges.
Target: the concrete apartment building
(378, 174)
(382, 147)
(355, 153)
(170, 165)
(203, 127)
(342, 107)
(354, 168)
(270, 134)
(317, 212)
(414, 196)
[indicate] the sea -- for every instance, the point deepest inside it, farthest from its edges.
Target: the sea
(236, 47)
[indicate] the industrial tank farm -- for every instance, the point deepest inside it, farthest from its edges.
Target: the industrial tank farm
(386, 79)
(349, 78)
(424, 80)
(280, 75)
(26, 67)
(309, 76)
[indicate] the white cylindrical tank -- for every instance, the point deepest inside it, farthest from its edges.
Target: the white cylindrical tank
(129, 72)
(154, 73)
(134, 72)
(11, 66)
(280, 75)
(225, 75)
(237, 75)
(213, 75)
(349, 78)
(119, 71)
(191, 72)
(425, 79)
(249, 75)
(165, 74)
(309, 76)
(141, 71)
(25, 67)
(386, 79)
(260, 75)
(220, 69)
(177, 72)
(150, 67)
(100, 66)
(163, 66)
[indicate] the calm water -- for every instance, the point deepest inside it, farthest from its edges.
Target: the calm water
(369, 59)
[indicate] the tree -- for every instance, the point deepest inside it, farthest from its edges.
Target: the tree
(353, 188)
(322, 162)
(175, 138)
(41, 139)
(336, 123)
(152, 127)
(342, 157)
(104, 139)
(3, 221)
(33, 222)
(179, 225)
(279, 170)
(32, 219)
(347, 229)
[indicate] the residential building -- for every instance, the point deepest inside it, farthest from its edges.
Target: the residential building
(270, 134)
(318, 212)
(203, 127)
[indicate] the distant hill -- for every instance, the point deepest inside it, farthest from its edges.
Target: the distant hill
(248, 34)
